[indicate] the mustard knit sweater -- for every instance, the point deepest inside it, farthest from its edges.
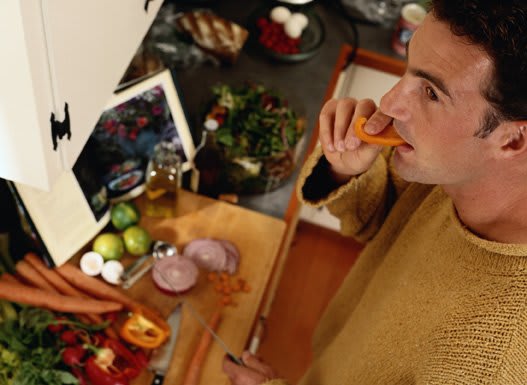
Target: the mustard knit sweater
(427, 302)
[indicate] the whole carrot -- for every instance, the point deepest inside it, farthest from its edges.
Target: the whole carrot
(6, 277)
(63, 287)
(196, 363)
(20, 293)
(32, 276)
(54, 278)
(101, 290)
(94, 287)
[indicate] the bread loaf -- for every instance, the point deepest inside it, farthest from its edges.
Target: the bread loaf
(220, 37)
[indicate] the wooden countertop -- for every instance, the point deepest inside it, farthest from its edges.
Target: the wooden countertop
(258, 238)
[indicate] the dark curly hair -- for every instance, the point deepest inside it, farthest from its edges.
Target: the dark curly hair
(500, 28)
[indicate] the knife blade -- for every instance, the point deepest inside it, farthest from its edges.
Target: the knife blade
(200, 319)
(162, 356)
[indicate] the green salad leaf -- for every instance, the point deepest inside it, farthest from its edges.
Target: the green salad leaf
(29, 353)
(254, 121)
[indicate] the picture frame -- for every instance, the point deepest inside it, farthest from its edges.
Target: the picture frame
(133, 122)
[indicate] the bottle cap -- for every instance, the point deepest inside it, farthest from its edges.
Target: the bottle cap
(211, 124)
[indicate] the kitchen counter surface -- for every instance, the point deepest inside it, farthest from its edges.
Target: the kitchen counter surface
(304, 84)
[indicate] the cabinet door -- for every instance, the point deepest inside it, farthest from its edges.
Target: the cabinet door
(53, 52)
(91, 44)
(26, 154)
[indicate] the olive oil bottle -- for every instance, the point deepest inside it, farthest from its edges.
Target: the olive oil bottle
(163, 179)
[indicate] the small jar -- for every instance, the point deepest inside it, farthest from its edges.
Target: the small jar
(163, 180)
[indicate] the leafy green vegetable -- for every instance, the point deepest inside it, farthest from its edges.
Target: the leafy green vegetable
(29, 353)
(9, 364)
(254, 121)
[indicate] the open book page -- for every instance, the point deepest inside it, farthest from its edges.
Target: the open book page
(63, 217)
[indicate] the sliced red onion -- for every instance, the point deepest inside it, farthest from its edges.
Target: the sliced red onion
(233, 256)
(175, 274)
(207, 253)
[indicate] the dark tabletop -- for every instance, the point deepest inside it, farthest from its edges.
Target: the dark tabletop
(303, 83)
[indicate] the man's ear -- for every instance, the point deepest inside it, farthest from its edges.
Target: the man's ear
(513, 140)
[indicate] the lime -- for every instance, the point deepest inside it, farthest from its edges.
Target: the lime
(109, 245)
(137, 240)
(124, 215)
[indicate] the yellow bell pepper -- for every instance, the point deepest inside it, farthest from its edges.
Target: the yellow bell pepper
(143, 332)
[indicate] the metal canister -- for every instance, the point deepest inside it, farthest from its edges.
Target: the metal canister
(412, 15)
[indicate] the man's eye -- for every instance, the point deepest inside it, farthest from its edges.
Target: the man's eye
(431, 94)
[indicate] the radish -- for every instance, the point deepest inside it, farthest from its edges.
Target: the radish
(91, 263)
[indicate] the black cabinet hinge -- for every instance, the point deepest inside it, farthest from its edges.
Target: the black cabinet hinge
(59, 129)
(147, 2)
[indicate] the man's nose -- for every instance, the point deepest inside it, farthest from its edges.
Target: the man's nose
(394, 103)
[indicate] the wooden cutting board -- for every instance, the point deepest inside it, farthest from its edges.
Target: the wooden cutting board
(258, 238)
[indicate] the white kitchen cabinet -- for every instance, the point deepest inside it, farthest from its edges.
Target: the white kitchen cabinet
(55, 52)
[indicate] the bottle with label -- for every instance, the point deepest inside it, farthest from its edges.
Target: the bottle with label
(208, 163)
(163, 179)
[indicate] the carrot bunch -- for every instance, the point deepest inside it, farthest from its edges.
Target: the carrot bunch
(64, 289)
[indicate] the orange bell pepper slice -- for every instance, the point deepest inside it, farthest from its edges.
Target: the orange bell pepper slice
(143, 332)
(387, 137)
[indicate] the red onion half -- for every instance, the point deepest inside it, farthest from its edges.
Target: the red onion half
(213, 254)
(175, 274)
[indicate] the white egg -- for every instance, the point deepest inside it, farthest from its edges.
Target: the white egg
(292, 29)
(280, 14)
(301, 19)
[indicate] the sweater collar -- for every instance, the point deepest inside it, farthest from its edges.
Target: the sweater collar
(512, 249)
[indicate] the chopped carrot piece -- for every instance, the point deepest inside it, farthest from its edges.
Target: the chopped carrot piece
(246, 288)
(212, 276)
(226, 300)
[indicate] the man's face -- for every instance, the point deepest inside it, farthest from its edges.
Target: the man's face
(438, 106)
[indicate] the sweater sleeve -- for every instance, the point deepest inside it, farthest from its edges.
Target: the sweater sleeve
(361, 204)
(513, 367)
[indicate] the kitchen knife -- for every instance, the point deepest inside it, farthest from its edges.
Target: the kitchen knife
(200, 319)
(162, 356)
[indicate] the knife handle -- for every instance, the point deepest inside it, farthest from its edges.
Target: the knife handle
(236, 360)
(158, 379)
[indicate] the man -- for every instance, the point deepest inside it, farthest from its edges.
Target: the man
(438, 295)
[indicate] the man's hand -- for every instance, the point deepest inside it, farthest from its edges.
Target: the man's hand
(254, 373)
(346, 153)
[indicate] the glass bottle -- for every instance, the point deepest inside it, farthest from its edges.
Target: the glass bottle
(208, 162)
(163, 179)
